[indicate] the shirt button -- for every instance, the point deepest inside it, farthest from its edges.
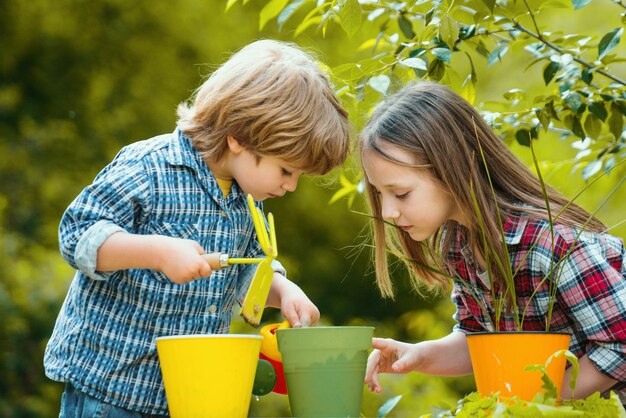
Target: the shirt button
(224, 214)
(212, 309)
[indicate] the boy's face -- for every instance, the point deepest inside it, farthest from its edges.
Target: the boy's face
(262, 178)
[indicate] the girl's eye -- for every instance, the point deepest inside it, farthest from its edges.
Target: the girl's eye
(402, 196)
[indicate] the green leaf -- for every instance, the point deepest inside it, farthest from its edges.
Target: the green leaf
(591, 168)
(574, 101)
(598, 110)
(436, 70)
(616, 121)
(444, 54)
(609, 42)
(490, 4)
(579, 4)
(270, 11)
(288, 12)
(380, 83)
(230, 3)
(593, 126)
(416, 63)
(586, 75)
(468, 90)
(497, 54)
(388, 406)
(350, 16)
(449, 30)
(543, 117)
(523, 137)
(549, 71)
(577, 127)
(406, 27)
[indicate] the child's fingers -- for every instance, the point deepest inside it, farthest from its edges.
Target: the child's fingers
(372, 365)
(383, 344)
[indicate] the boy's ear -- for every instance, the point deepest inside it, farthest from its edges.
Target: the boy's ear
(233, 145)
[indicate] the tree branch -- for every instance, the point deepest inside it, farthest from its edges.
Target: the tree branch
(560, 50)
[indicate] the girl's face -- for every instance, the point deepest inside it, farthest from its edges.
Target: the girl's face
(409, 197)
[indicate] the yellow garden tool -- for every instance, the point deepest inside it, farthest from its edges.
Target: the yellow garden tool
(254, 303)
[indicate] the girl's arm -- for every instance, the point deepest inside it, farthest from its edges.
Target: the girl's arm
(589, 380)
(447, 356)
(295, 306)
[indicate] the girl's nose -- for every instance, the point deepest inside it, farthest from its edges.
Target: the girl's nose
(389, 211)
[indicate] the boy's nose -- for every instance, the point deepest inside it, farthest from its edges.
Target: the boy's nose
(292, 184)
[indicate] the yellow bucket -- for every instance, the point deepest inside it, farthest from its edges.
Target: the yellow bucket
(499, 360)
(208, 375)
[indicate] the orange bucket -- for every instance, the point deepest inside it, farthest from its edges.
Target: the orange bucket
(499, 360)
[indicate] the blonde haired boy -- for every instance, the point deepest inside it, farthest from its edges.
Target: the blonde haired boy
(137, 234)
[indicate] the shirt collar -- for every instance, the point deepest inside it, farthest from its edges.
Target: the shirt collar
(182, 152)
(514, 226)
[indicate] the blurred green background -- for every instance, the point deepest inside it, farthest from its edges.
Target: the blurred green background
(81, 78)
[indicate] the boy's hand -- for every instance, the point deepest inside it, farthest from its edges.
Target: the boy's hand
(181, 259)
(295, 306)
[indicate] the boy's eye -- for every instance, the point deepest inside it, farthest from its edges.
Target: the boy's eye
(286, 172)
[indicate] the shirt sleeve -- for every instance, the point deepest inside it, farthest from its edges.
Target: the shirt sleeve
(592, 290)
(112, 203)
(470, 315)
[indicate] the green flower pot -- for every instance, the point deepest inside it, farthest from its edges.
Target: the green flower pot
(324, 369)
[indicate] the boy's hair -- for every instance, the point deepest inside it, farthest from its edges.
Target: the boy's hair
(274, 99)
(446, 136)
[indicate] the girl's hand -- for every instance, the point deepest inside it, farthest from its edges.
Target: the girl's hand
(181, 259)
(389, 356)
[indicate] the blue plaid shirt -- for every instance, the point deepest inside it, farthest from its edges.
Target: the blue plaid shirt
(104, 338)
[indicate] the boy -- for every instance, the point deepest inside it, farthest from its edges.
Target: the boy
(137, 234)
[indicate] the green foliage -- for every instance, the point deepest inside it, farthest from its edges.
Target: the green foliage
(543, 405)
(80, 79)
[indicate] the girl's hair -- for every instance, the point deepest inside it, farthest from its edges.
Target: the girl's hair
(446, 135)
(274, 99)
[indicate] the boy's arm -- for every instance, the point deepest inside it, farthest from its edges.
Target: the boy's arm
(295, 306)
(179, 259)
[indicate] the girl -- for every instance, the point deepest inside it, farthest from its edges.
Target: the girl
(422, 153)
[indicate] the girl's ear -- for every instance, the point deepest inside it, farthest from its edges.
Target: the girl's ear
(233, 145)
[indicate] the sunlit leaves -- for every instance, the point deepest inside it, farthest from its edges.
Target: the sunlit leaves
(406, 27)
(416, 63)
(616, 121)
(380, 83)
(574, 101)
(549, 71)
(350, 16)
(490, 4)
(449, 30)
(270, 11)
(580, 3)
(422, 39)
(609, 42)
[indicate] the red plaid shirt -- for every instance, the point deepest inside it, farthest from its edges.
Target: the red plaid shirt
(591, 296)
